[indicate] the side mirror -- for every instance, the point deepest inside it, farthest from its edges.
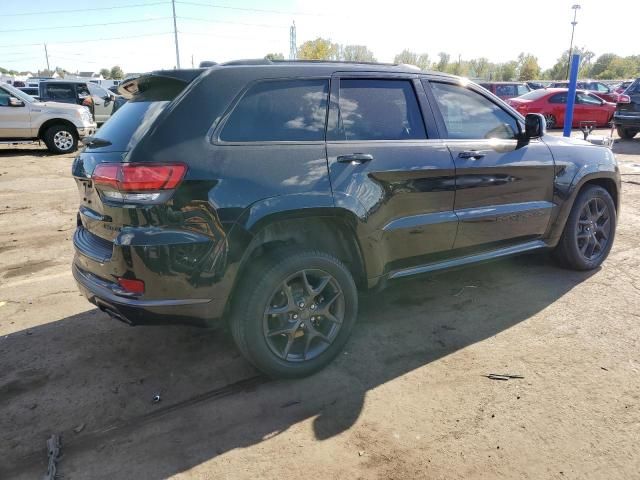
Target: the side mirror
(535, 126)
(15, 102)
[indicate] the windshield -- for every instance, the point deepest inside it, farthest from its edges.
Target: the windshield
(533, 95)
(19, 93)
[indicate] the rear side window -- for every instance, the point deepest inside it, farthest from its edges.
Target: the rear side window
(280, 110)
(378, 110)
(469, 115)
(60, 92)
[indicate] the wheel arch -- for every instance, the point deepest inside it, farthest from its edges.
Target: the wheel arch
(56, 121)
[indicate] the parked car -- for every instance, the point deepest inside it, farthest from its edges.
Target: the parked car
(100, 102)
(33, 91)
(592, 86)
(535, 85)
(23, 119)
(552, 103)
(506, 90)
(622, 86)
(270, 193)
(627, 115)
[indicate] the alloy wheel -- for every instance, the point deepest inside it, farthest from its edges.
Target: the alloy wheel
(63, 140)
(593, 229)
(551, 120)
(304, 315)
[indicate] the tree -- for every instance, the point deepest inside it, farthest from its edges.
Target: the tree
(529, 68)
(116, 73)
(559, 70)
(479, 67)
(442, 65)
(424, 62)
(508, 71)
(407, 57)
(356, 53)
(105, 72)
(274, 56)
(602, 63)
(319, 49)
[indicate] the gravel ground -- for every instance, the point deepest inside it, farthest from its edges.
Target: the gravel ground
(407, 399)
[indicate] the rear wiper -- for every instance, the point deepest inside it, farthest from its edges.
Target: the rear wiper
(95, 142)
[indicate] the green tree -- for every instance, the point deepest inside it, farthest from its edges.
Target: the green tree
(528, 67)
(319, 49)
(479, 68)
(602, 63)
(356, 53)
(508, 71)
(116, 73)
(407, 57)
(423, 61)
(274, 56)
(559, 70)
(443, 63)
(105, 72)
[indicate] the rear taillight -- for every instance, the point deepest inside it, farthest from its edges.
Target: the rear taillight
(137, 182)
(130, 285)
(624, 99)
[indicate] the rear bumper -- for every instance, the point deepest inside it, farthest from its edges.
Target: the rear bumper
(627, 121)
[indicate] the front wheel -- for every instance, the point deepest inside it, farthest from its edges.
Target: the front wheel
(551, 120)
(626, 133)
(294, 312)
(590, 229)
(61, 139)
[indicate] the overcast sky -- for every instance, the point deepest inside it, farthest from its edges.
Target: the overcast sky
(496, 29)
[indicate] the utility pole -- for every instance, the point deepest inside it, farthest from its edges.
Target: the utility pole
(175, 32)
(575, 8)
(293, 48)
(192, 66)
(46, 54)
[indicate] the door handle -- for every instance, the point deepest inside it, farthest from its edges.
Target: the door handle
(472, 154)
(355, 158)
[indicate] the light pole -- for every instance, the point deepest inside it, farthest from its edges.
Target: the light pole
(575, 8)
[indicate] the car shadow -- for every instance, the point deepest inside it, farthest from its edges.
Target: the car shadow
(34, 150)
(94, 380)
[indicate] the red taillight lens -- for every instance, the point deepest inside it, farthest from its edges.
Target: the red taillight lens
(131, 285)
(624, 99)
(130, 177)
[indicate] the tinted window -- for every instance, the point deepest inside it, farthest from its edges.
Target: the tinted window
(378, 110)
(506, 91)
(283, 110)
(60, 92)
(469, 115)
(559, 98)
(4, 98)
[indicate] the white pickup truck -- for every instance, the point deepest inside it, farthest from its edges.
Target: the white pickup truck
(23, 119)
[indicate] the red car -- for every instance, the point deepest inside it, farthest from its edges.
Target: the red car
(506, 90)
(592, 86)
(552, 103)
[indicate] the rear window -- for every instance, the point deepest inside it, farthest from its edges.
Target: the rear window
(534, 94)
(132, 121)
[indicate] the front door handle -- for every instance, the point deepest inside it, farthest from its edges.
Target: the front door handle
(355, 158)
(472, 154)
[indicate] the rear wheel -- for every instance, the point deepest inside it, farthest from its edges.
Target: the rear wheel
(61, 139)
(550, 119)
(590, 229)
(626, 133)
(294, 312)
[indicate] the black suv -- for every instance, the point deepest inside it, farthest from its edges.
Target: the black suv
(627, 115)
(270, 193)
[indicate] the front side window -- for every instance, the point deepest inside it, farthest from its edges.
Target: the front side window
(375, 109)
(4, 98)
(97, 91)
(280, 110)
(469, 115)
(522, 89)
(506, 91)
(601, 87)
(559, 98)
(586, 99)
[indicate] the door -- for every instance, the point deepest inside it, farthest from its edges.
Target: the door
(15, 120)
(504, 186)
(589, 108)
(102, 103)
(387, 163)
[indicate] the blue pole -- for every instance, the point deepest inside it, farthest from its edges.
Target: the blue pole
(571, 94)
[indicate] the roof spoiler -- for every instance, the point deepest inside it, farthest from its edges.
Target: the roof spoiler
(135, 84)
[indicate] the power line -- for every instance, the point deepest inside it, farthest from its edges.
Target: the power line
(53, 12)
(231, 23)
(127, 37)
(86, 25)
(258, 10)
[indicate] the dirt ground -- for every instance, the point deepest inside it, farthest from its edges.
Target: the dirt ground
(407, 399)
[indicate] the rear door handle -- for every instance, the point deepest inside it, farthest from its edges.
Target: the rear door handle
(472, 154)
(355, 158)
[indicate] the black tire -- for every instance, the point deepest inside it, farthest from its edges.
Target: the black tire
(626, 133)
(61, 139)
(255, 327)
(550, 120)
(587, 239)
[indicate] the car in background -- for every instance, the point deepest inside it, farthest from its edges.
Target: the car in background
(621, 87)
(627, 115)
(535, 85)
(593, 86)
(552, 103)
(23, 119)
(33, 91)
(506, 90)
(99, 101)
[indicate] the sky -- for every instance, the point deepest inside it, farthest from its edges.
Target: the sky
(138, 34)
